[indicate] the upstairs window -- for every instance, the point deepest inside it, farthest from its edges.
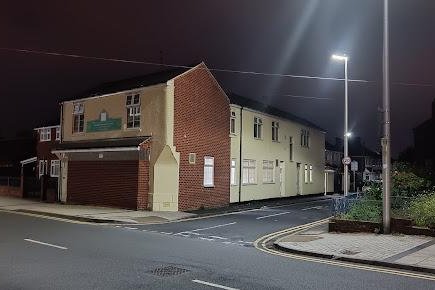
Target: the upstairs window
(258, 126)
(45, 134)
(275, 131)
(57, 133)
(133, 111)
(78, 118)
(305, 138)
(233, 123)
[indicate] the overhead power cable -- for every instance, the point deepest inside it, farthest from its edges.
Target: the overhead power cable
(256, 73)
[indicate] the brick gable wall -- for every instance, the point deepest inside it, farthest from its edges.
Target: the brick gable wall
(43, 150)
(201, 126)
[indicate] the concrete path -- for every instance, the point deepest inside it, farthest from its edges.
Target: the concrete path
(88, 213)
(401, 251)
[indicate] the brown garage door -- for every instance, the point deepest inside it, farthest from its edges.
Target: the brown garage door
(104, 183)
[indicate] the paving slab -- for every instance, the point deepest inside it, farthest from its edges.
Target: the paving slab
(89, 213)
(401, 251)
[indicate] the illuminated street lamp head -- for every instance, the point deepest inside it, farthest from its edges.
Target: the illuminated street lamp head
(340, 57)
(348, 134)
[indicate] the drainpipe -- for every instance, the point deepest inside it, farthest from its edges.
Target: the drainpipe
(240, 153)
(59, 178)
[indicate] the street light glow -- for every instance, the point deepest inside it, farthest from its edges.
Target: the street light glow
(349, 134)
(340, 57)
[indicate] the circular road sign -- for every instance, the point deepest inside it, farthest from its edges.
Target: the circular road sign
(346, 160)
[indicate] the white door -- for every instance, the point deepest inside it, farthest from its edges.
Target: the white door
(298, 178)
(282, 178)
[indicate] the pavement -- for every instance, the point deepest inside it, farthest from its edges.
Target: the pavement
(40, 253)
(84, 213)
(415, 253)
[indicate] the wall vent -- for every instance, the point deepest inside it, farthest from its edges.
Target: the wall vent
(192, 158)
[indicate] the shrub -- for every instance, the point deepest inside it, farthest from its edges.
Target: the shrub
(365, 210)
(422, 211)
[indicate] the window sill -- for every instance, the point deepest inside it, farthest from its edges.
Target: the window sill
(269, 182)
(259, 139)
(208, 186)
(245, 184)
(276, 141)
(132, 129)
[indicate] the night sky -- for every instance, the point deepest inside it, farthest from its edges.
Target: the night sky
(288, 37)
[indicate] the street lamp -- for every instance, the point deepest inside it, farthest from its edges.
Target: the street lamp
(347, 134)
(386, 154)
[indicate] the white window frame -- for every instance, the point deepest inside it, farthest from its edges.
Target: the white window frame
(42, 167)
(133, 111)
(233, 177)
(78, 118)
(306, 173)
(55, 168)
(258, 128)
(233, 123)
(268, 171)
(45, 134)
(275, 131)
(311, 174)
(208, 174)
(249, 171)
(57, 133)
(305, 138)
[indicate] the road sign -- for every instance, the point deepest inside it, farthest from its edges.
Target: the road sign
(354, 165)
(346, 160)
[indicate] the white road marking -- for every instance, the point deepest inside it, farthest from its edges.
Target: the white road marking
(214, 285)
(218, 226)
(313, 207)
(219, 238)
(272, 215)
(130, 228)
(166, 233)
(205, 239)
(46, 244)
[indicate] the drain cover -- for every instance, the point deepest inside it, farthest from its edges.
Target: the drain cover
(168, 271)
(349, 252)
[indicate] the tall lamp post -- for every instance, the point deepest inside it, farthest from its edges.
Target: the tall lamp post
(347, 134)
(386, 154)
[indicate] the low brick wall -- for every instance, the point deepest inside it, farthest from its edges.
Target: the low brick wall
(401, 226)
(10, 191)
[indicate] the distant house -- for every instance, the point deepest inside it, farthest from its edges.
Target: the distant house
(12, 151)
(47, 163)
(333, 162)
(369, 162)
(424, 142)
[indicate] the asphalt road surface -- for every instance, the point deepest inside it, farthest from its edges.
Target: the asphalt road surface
(211, 253)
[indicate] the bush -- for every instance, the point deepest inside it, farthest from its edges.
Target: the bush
(422, 211)
(365, 210)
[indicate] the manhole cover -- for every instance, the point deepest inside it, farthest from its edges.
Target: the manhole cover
(348, 252)
(168, 271)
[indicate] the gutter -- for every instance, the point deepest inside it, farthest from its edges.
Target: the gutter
(114, 149)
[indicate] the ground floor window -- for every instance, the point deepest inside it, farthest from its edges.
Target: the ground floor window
(208, 171)
(249, 171)
(42, 167)
(306, 173)
(54, 168)
(268, 171)
(233, 172)
(311, 174)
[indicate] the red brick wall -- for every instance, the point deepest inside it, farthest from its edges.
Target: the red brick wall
(201, 126)
(43, 150)
(104, 183)
(10, 191)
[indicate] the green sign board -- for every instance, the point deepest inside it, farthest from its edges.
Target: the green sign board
(106, 125)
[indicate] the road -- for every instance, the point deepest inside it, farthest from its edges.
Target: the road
(210, 253)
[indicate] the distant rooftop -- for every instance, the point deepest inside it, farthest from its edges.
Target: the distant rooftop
(261, 107)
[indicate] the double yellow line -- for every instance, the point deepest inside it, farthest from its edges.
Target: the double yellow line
(262, 245)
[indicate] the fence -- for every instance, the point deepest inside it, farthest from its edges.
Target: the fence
(10, 181)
